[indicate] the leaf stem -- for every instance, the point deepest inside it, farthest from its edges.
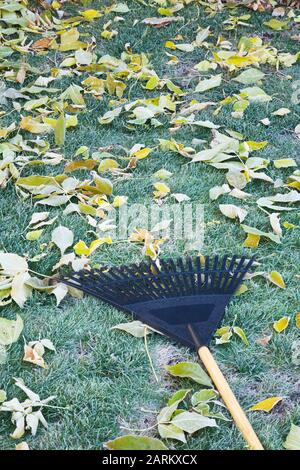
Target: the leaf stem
(149, 357)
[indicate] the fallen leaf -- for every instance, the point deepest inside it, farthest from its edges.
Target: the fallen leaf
(281, 325)
(292, 441)
(10, 330)
(190, 422)
(22, 446)
(132, 442)
(276, 278)
(135, 328)
(191, 370)
(266, 405)
(63, 238)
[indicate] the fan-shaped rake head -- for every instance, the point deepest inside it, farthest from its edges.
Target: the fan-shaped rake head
(170, 294)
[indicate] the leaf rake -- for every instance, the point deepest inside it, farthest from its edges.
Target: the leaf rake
(184, 299)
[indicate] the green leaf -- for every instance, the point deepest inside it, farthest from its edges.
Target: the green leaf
(34, 235)
(191, 370)
(170, 431)
(132, 442)
(178, 396)
(60, 130)
(249, 76)
(2, 396)
(135, 328)
(292, 441)
(241, 334)
(255, 95)
(203, 396)
(277, 24)
(209, 83)
(10, 330)
(190, 422)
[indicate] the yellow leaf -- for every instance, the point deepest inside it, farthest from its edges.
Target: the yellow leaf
(276, 278)
(102, 184)
(91, 15)
(298, 320)
(81, 249)
(60, 130)
(281, 325)
(242, 288)
(69, 41)
(86, 209)
(107, 164)
(152, 83)
(79, 165)
(170, 45)
(119, 201)
(252, 241)
(34, 235)
(266, 405)
(142, 153)
(284, 163)
(30, 124)
(100, 241)
(161, 187)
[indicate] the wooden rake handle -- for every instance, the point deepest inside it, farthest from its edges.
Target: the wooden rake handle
(229, 399)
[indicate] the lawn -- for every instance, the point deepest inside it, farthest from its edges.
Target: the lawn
(101, 377)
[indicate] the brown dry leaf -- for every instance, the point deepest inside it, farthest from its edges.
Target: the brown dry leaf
(43, 43)
(31, 355)
(264, 340)
(22, 446)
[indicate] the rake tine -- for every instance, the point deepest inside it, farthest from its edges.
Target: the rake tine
(167, 277)
(183, 273)
(206, 275)
(199, 273)
(240, 273)
(214, 271)
(228, 273)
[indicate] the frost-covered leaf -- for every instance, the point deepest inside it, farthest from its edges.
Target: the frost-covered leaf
(10, 330)
(209, 83)
(132, 442)
(63, 238)
(170, 431)
(191, 370)
(292, 441)
(190, 422)
(233, 212)
(135, 328)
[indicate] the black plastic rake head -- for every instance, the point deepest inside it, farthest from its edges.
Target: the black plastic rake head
(169, 295)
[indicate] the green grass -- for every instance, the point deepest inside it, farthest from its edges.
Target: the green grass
(103, 377)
